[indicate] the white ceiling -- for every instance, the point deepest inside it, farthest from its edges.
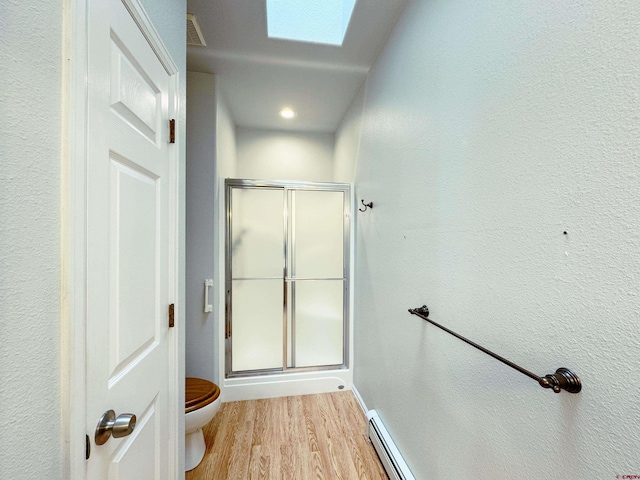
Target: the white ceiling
(259, 75)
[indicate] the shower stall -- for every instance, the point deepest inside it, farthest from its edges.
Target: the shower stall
(287, 277)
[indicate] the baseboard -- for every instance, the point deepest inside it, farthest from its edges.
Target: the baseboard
(385, 447)
(356, 394)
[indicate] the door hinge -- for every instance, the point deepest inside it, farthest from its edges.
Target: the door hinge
(172, 131)
(171, 315)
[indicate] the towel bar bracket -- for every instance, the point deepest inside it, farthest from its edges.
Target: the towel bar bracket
(563, 379)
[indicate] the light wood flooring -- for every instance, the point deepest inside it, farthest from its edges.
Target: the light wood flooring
(310, 437)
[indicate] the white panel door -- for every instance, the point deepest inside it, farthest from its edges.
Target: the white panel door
(129, 174)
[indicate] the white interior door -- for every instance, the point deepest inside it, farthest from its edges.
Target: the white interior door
(129, 226)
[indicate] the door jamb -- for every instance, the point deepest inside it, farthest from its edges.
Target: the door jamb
(73, 238)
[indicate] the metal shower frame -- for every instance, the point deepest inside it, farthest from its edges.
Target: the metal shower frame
(287, 268)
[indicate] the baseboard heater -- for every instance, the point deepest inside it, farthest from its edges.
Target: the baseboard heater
(389, 454)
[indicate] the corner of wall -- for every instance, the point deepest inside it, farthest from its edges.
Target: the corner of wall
(347, 138)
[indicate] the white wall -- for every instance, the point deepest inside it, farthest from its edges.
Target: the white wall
(30, 102)
(276, 155)
(226, 160)
(201, 348)
(489, 129)
(210, 158)
(347, 144)
(226, 139)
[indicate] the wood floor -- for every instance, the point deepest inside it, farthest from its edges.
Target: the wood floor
(309, 437)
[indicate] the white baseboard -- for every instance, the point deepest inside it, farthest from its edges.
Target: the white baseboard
(356, 393)
(390, 456)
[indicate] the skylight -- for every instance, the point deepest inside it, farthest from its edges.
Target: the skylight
(314, 21)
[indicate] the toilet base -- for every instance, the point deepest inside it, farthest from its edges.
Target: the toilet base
(194, 448)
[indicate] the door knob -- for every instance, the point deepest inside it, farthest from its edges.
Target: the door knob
(109, 425)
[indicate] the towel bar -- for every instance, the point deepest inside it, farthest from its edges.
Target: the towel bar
(563, 379)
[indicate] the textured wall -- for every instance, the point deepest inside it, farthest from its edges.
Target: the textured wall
(347, 139)
(201, 351)
(275, 155)
(489, 129)
(30, 104)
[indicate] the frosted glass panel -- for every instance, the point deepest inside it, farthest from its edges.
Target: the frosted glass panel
(318, 322)
(257, 233)
(318, 230)
(257, 333)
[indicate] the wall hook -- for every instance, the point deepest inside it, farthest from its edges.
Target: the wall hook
(365, 205)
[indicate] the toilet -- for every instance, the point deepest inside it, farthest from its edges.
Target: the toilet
(201, 404)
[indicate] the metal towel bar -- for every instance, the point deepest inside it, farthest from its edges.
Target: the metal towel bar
(563, 379)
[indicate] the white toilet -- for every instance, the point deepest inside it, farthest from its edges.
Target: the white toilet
(202, 403)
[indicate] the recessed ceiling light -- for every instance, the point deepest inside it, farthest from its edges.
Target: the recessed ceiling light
(287, 113)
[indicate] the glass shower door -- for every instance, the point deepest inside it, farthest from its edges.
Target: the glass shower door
(286, 276)
(317, 277)
(256, 268)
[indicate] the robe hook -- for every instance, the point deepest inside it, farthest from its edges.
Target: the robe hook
(365, 205)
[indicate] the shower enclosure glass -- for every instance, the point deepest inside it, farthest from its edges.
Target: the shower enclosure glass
(286, 276)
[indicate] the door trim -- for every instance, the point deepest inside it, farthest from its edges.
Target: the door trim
(73, 347)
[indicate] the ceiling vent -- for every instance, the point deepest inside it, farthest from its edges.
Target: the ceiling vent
(194, 34)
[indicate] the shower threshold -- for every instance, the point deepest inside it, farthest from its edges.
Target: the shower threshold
(286, 383)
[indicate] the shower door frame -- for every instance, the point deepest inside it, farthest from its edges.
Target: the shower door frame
(345, 188)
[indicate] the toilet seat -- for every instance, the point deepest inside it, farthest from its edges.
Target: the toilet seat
(199, 393)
